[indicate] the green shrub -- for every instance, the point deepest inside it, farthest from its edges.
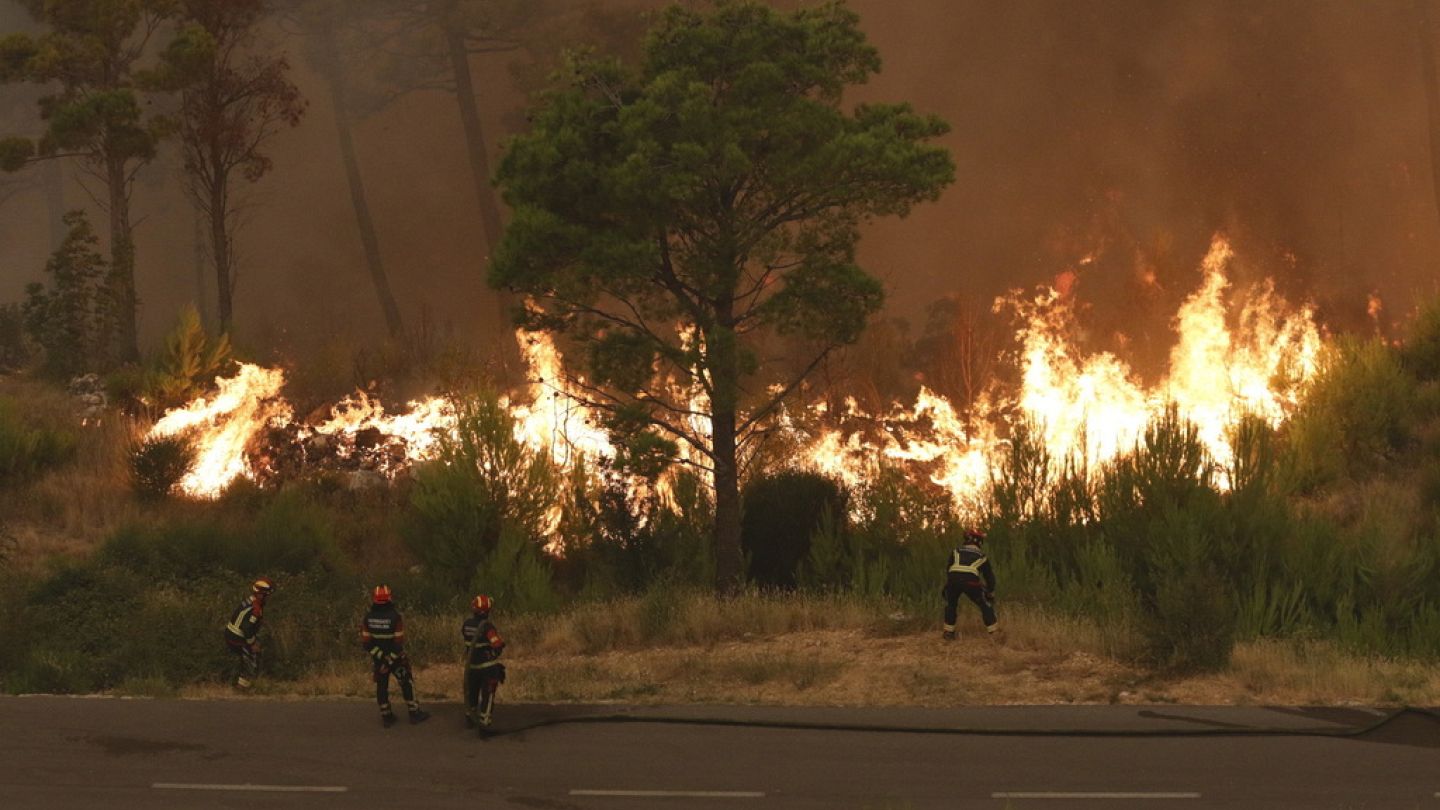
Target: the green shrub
(287, 535)
(1355, 414)
(1188, 620)
(27, 449)
(482, 484)
(781, 513)
(1420, 352)
(190, 363)
(15, 348)
(158, 465)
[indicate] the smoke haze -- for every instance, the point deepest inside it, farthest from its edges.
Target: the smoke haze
(1107, 139)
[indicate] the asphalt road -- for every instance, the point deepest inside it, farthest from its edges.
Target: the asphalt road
(120, 754)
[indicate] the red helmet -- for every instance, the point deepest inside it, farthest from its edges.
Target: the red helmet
(262, 587)
(382, 595)
(482, 604)
(974, 536)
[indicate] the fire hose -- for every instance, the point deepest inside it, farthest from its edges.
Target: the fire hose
(980, 731)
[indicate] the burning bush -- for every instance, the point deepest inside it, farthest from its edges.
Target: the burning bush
(482, 486)
(158, 465)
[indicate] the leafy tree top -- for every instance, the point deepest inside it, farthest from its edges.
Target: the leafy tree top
(668, 213)
(89, 50)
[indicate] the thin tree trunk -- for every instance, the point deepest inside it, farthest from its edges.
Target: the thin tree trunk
(202, 269)
(55, 202)
(491, 217)
(330, 67)
(220, 249)
(724, 374)
(1432, 90)
(121, 283)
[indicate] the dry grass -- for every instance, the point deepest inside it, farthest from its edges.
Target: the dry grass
(69, 509)
(799, 651)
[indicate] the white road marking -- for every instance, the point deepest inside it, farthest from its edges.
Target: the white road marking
(1095, 795)
(257, 788)
(674, 794)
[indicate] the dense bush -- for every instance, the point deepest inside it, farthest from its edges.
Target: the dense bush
(781, 513)
(158, 465)
(27, 448)
(1420, 351)
(1356, 414)
(483, 485)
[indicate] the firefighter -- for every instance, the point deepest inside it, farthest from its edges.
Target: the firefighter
(969, 574)
(483, 671)
(242, 634)
(382, 634)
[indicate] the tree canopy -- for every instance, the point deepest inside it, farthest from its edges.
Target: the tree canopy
(669, 215)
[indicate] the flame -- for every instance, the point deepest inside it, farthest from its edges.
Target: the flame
(1090, 409)
(1234, 355)
(225, 425)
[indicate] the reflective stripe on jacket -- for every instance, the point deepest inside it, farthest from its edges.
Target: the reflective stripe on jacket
(483, 644)
(245, 623)
(971, 563)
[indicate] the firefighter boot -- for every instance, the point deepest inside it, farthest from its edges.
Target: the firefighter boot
(470, 719)
(418, 716)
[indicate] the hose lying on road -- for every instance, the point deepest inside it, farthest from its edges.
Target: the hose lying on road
(800, 725)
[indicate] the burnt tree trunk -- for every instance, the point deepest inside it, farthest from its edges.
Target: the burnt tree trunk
(491, 216)
(329, 63)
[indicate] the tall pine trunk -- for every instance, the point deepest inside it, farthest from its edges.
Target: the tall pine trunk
(55, 202)
(1432, 89)
(220, 251)
(725, 379)
(125, 340)
(329, 63)
(491, 217)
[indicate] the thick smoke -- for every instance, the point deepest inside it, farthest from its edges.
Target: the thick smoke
(1125, 132)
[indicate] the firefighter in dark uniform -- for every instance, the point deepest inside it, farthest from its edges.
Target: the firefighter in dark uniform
(969, 575)
(382, 634)
(242, 634)
(483, 671)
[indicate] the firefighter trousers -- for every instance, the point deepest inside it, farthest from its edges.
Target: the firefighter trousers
(956, 586)
(401, 671)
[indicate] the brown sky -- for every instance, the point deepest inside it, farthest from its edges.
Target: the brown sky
(1127, 129)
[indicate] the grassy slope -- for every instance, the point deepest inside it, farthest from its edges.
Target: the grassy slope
(813, 652)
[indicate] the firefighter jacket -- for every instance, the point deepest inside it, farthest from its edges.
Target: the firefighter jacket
(244, 626)
(972, 566)
(382, 633)
(483, 643)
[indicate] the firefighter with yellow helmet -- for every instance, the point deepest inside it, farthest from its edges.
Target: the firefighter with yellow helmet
(242, 633)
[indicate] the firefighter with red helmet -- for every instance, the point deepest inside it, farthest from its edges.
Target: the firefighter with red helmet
(382, 634)
(483, 671)
(969, 574)
(242, 633)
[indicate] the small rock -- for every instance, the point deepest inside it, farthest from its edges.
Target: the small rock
(361, 480)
